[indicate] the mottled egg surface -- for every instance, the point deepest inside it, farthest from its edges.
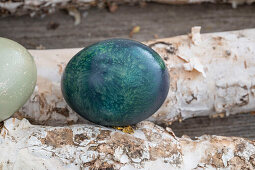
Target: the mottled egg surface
(115, 82)
(17, 77)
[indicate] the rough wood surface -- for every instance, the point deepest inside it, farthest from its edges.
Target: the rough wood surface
(26, 146)
(174, 20)
(43, 7)
(58, 31)
(236, 125)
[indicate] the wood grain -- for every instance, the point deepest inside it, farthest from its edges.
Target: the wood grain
(235, 125)
(154, 20)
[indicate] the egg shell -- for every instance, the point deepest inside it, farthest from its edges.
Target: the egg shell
(18, 77)
(115, 82)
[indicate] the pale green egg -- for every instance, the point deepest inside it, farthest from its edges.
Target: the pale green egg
(17, 77)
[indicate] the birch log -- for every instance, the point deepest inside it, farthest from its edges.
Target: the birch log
(34, 7)
(26, 146)
(209, 74)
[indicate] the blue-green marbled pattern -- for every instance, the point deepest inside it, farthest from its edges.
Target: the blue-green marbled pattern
(115, 82)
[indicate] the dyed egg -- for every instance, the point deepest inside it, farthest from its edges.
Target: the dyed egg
(17, 77)
(116, 82)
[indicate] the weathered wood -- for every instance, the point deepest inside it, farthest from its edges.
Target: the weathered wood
(155, 21)
(235, 125)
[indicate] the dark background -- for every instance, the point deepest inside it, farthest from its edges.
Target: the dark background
(156, 21)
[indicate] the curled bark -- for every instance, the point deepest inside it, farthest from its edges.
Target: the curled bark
(26, 146)
(33, 7)
(209, 74)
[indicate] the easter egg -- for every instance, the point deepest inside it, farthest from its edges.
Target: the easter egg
(115, 82)
(17, 77)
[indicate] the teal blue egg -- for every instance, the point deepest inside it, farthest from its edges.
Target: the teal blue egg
(115, 82)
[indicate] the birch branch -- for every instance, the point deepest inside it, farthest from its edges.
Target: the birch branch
(210, 74)
(26, 146)
(33, 7)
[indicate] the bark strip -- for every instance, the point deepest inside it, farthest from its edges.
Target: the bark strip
(33, 7)
(210, 74)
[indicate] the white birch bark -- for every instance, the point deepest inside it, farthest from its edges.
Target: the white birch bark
(26, 146)
(33, 7)
(209, 74)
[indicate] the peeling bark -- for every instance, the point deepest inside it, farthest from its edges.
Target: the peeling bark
(210, 74)
(33, 7)
(26, 146)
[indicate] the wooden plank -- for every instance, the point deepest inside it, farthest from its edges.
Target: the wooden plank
(154, 19)
(235, 125)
